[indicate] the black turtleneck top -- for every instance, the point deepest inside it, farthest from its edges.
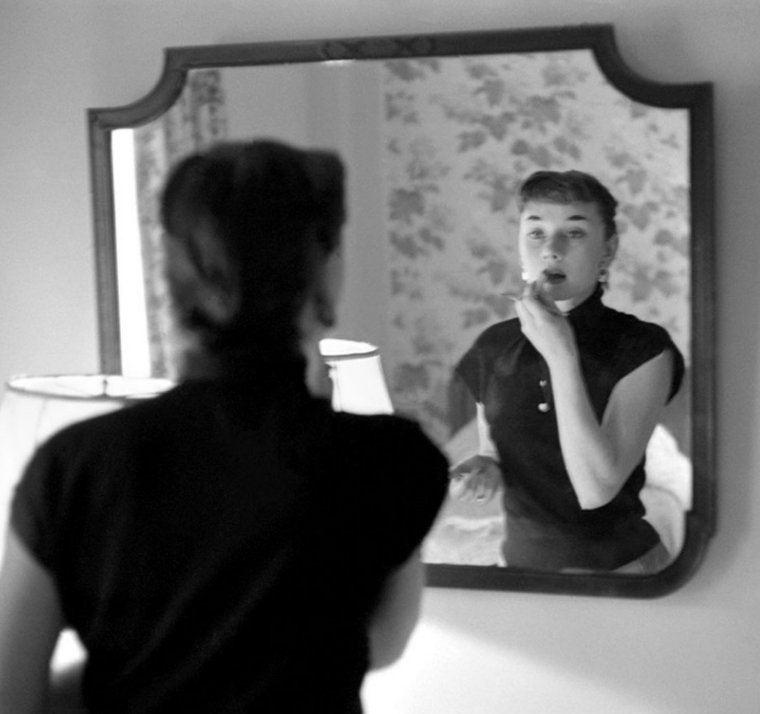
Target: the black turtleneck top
(221, 547)
(545, 526)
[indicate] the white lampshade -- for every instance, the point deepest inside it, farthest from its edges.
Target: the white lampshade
(358, 385)
(34, 408)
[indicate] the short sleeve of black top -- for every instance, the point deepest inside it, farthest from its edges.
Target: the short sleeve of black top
(221, 547)
(506, 374)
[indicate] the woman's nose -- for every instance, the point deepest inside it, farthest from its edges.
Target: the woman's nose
(554, 248)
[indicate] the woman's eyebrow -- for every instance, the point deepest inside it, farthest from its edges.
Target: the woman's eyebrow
(574, 217)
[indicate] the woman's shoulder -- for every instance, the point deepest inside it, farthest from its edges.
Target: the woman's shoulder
(639, 341)
(498, 336)
(123, 427)
(501, 328)
(399, 431)
(388, 450)
(387, 437)
(634, 330)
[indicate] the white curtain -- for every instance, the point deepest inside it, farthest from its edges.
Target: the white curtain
(196, 120)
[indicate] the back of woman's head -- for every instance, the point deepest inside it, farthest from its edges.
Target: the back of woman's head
(247, 227)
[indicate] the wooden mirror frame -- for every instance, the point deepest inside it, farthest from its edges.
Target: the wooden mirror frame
(695, 98)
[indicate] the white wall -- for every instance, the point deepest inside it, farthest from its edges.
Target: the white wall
(693, 651)
(334, 108)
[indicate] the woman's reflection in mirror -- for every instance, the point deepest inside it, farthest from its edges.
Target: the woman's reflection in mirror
(233, 544)
(568, 394)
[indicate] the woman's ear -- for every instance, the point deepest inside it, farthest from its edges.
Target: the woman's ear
(324, 310)
(610, 250)
(320, 308)
(329, 287)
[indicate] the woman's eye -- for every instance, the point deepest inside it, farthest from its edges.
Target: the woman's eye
(576, 234)
(535, 234)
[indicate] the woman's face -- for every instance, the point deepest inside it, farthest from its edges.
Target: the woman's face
(566, 245)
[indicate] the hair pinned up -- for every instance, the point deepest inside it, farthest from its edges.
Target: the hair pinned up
(247, 225)
(570, 187)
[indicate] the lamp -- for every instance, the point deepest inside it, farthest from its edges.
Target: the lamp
(33, 408)
(356, 372)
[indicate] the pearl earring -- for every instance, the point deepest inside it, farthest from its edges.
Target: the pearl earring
(604, 276)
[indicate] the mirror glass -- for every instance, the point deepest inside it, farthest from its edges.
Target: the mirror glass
(437, 142)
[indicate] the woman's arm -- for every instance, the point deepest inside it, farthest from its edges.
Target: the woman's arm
(30, 622)
(598, 457)
(477, 477)
(396, 614)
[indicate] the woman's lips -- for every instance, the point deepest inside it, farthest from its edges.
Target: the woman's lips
(553, 277)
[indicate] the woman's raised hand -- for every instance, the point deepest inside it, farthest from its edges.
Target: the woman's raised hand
(476, 478)
(543, 324)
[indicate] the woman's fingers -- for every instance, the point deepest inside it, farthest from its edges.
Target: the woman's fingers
(474, 479)
(540, 296)
(463, 467)
(471, 488)
(460, 489)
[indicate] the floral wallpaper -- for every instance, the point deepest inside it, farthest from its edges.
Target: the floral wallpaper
(460, 135)
(196, 120)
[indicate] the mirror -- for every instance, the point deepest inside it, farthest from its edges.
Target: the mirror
(438, 132)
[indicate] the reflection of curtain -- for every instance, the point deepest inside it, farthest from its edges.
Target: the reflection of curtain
(195, 121)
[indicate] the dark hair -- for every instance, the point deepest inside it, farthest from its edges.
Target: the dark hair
(570, 187)
(246, 227)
